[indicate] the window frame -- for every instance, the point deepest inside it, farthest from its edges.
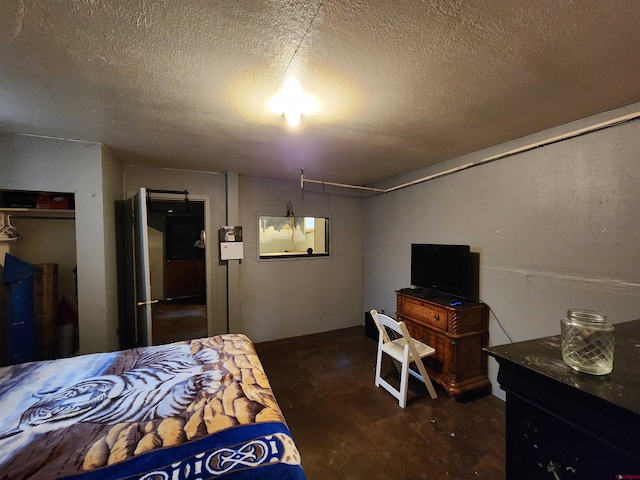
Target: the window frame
(294, 255)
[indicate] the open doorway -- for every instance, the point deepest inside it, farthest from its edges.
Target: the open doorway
(164, 269)
(177, 268)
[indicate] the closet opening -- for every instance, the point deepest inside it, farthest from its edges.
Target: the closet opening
(39, 228)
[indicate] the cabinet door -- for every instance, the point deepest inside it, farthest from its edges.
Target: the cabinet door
(436, 341)
(414, 330)
(539, 442)
(430, 337)
(469, 356)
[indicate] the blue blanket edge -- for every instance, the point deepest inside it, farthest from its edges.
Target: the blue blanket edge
(180, 461)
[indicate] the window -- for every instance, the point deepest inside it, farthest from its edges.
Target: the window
(293, 236)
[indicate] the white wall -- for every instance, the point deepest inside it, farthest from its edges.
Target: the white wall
(289, 297)
(556, 228)
(40, 164)
(112, 192)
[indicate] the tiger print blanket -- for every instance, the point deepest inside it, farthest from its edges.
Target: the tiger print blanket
(187, 410)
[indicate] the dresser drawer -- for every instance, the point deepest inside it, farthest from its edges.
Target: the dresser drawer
(423, 312)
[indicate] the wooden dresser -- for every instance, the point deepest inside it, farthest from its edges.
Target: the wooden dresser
(458, 333)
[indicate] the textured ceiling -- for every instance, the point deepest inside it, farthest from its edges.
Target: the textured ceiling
(403, 84)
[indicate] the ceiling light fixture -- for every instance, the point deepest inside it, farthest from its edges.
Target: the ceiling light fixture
(293, 102)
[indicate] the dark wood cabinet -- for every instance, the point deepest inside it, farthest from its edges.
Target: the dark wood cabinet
(458, 330)
(561, 423)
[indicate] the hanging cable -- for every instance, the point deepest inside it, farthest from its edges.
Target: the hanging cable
(304, 35)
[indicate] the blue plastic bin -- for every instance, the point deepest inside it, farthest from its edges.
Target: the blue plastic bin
(18, 275)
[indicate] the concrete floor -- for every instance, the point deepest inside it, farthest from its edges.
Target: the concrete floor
(174, 321)
(346, 428)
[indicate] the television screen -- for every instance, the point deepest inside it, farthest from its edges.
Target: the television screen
(448, 269)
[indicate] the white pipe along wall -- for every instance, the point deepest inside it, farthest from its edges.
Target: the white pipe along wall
(541, 143)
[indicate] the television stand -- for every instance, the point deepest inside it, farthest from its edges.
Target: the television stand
(458, 333)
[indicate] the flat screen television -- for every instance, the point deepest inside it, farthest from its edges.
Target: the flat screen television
(446, 269)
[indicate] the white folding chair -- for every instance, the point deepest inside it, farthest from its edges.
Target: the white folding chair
(404, 351)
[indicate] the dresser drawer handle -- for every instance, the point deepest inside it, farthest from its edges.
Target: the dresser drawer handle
(436, 316)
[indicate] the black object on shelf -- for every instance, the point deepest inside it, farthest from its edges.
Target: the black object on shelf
(370, 329)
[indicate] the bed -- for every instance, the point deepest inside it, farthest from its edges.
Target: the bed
(188, 410)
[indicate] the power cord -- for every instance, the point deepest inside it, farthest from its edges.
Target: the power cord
(498, 322)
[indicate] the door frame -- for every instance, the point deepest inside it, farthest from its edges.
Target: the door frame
(210, 242)
(142, 268)
(127, 337)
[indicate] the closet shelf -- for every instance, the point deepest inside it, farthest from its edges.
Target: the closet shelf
(39, 213)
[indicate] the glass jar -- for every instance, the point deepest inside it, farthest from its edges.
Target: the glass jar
(587, 341)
